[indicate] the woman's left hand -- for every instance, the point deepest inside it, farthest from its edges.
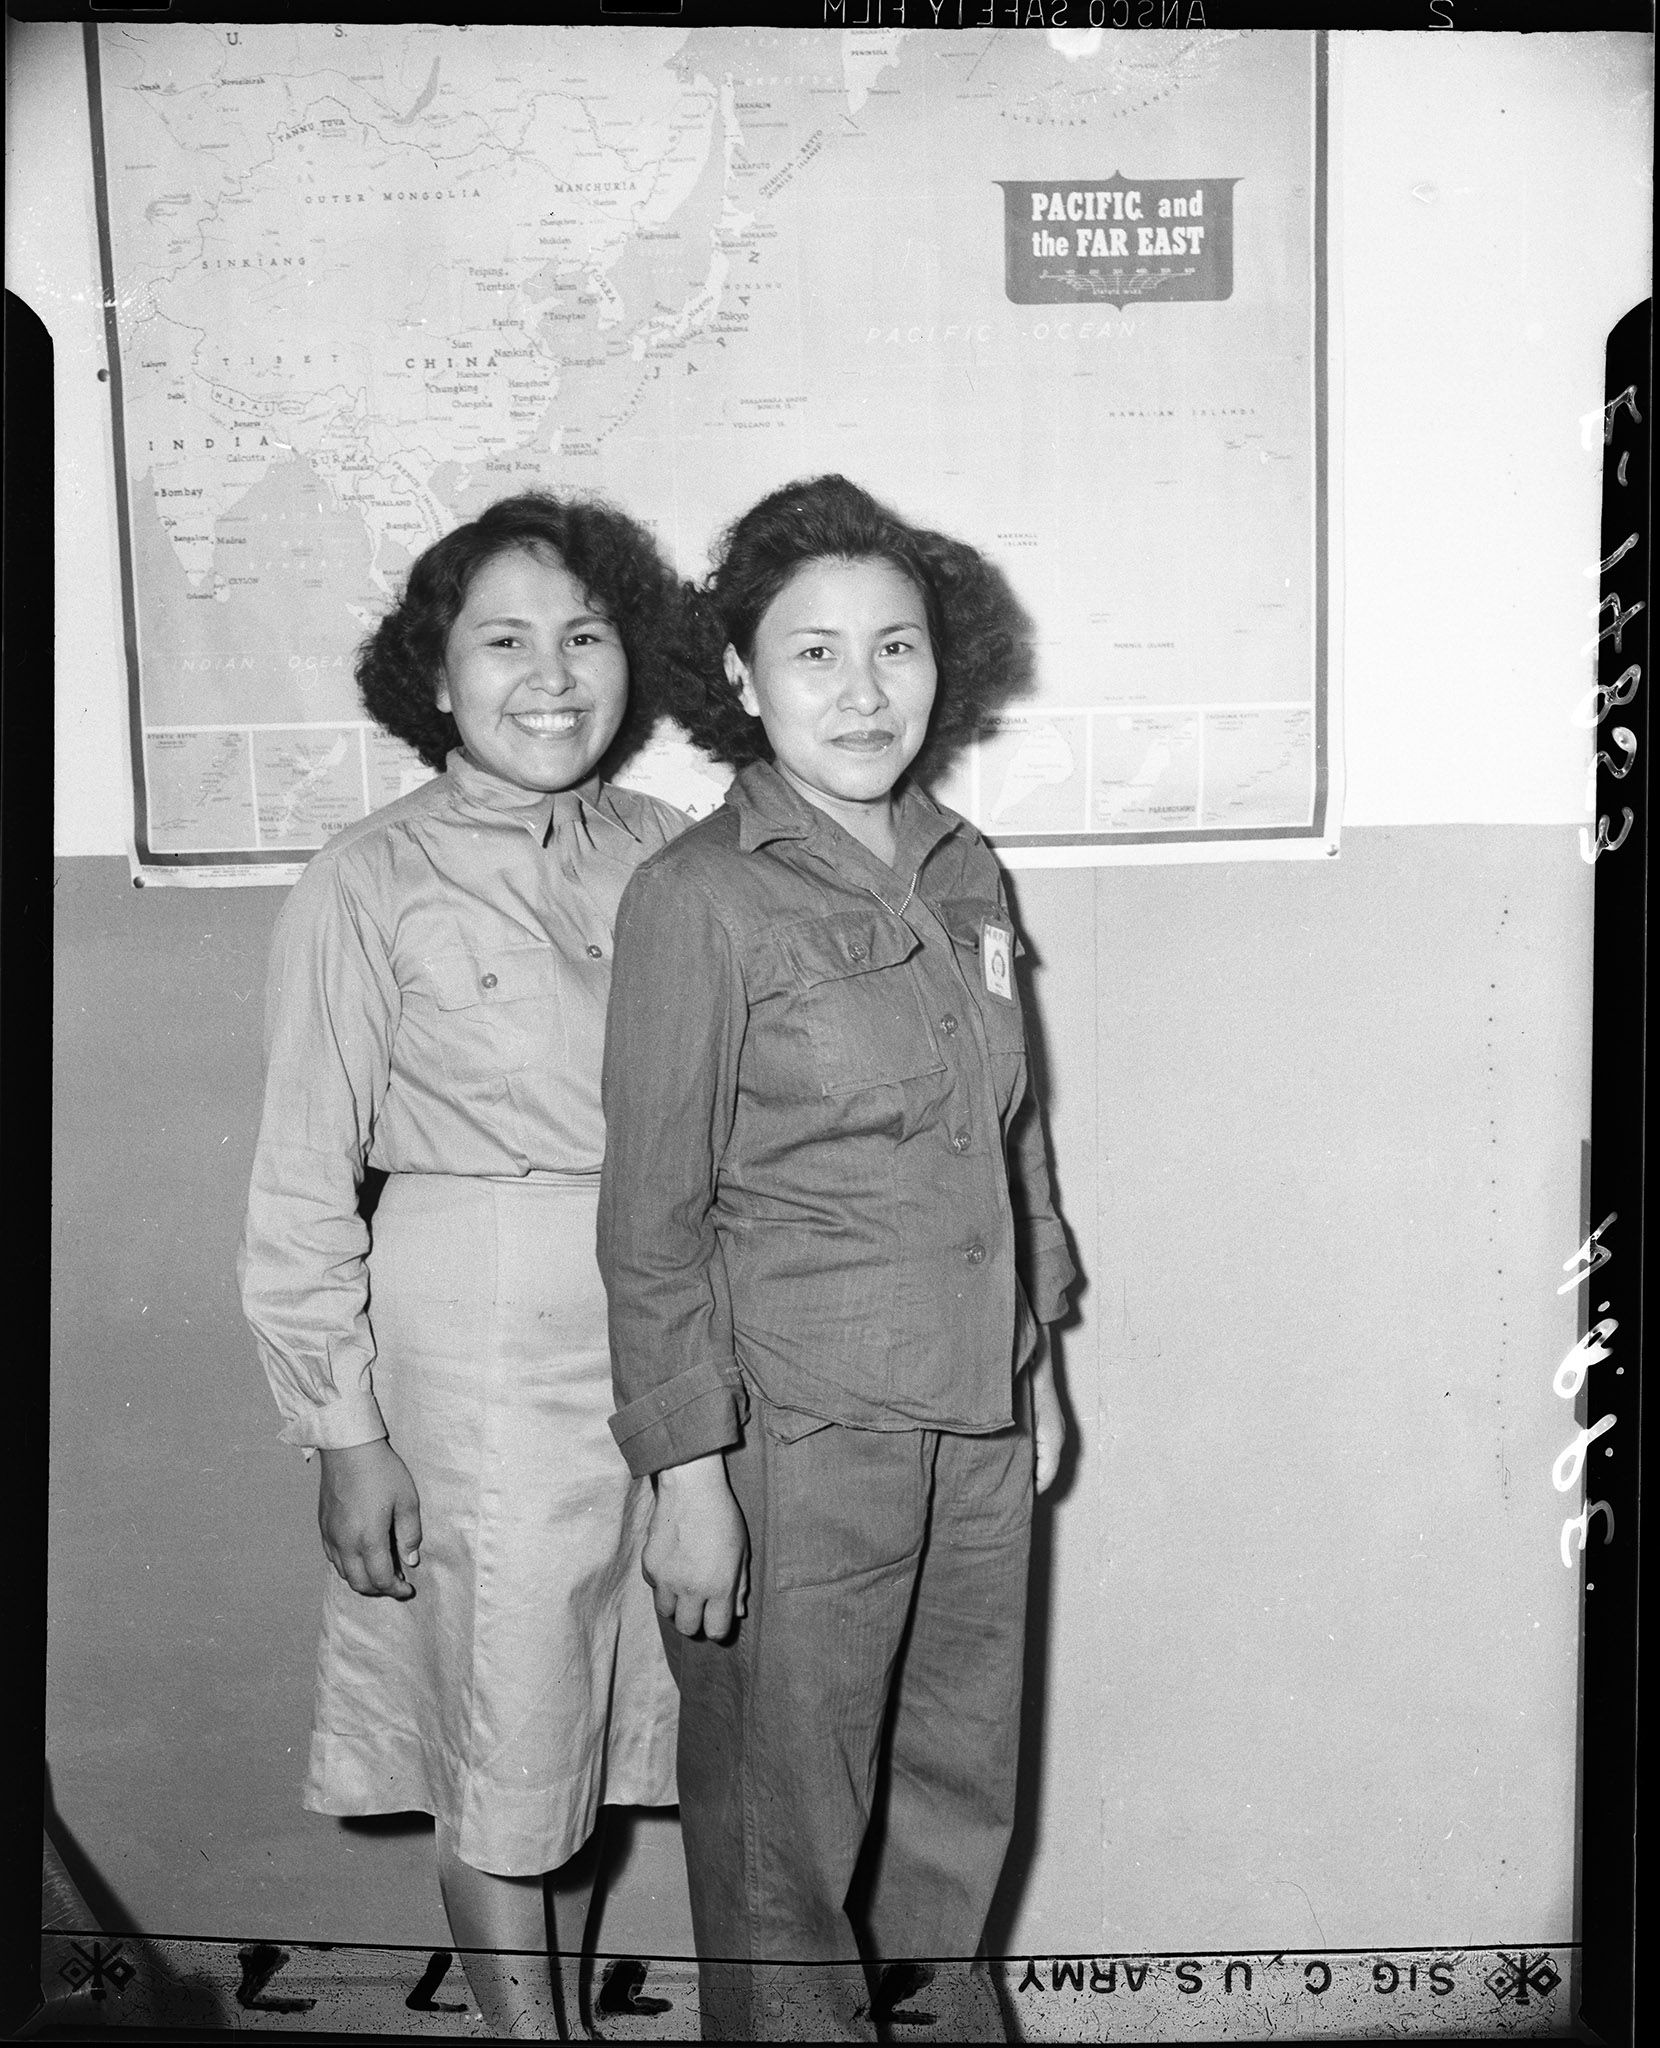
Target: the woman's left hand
(1048, 1423)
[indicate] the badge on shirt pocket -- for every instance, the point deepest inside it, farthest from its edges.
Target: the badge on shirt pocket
(997, 960)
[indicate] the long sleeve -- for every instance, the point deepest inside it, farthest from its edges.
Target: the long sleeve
(331, 1012)
(1041, 1256)
(672, 1040)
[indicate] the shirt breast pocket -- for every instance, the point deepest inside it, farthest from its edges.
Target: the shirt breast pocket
(864, 1018)
(967, 919)
(500, 1012)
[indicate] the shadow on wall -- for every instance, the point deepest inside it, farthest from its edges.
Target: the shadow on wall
(89, 1943)
(86, 1887)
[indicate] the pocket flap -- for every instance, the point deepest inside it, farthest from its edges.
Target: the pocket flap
(963, 916)
(848, 942)
(789, 1425)
(463, 979)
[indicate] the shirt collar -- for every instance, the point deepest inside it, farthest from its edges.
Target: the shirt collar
(769, 809)
(539, 811)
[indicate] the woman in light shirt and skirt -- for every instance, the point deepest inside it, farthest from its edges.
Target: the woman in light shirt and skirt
(435, 1011)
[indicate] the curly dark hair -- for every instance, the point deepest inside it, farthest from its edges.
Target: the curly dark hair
(401, 664)
(981, 636)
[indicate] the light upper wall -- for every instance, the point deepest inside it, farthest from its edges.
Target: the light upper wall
(1494, 200)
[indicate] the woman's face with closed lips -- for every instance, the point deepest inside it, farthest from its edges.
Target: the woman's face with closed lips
(535, 677)
(842, 677)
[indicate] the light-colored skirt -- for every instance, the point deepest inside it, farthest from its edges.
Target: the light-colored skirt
(525, 1683)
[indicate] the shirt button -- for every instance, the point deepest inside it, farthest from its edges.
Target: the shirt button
(596, 952)
(857, 952)
(487, 981)
(974, 1254)
(949, 1026)
(960, 1142)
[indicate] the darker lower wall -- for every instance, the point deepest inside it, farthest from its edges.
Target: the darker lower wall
(1316, 1128)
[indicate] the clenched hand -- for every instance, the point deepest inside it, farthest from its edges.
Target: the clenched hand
(370, 1516)
(696, 1559)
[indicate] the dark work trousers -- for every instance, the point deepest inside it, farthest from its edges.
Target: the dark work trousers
(883, 1647)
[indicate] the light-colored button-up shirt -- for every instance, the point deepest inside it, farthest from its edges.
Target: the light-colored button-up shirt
(825, 1174)
(435, 1004)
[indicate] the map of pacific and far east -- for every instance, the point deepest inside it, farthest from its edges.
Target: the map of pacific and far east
(1058, 294)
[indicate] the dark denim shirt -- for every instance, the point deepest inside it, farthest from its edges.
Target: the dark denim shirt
(824, 1174)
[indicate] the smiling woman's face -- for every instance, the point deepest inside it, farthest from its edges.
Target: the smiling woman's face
(842, 677)
(535, 678)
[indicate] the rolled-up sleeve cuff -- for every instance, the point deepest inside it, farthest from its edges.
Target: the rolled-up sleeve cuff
(698, 1411)
(336, 1425)
(1050, 1272)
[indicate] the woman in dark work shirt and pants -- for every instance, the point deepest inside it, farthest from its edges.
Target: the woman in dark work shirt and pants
(828, 1240)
